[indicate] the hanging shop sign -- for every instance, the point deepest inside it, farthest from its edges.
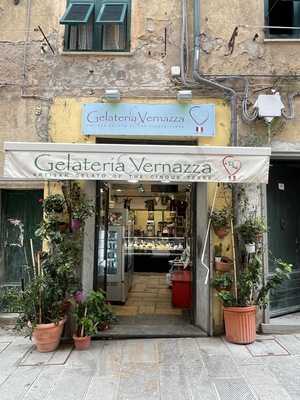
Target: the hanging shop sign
(51, 161)
(127, 119)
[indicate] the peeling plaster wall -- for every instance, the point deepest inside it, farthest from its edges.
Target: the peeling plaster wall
(249, 56)
(30, 79)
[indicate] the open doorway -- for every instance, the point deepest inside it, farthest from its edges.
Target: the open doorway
(145, 242)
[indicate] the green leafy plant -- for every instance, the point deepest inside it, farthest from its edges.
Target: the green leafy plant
(9, 300)
(54, 203)
(90, 312)
(221, 218)
(251, 287)
(251, 229)
(42, 299)
(82, 210)
(222, 281)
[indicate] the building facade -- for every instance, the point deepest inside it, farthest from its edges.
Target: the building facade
(60, 58)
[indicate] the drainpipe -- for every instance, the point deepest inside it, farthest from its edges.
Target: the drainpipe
(200, 79)
(233, 105)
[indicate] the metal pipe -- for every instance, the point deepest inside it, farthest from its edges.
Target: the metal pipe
(199, 78)
(197, 33)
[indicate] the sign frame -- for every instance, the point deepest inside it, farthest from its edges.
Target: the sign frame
(158, 120)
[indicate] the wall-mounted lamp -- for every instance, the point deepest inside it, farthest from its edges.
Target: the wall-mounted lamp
(184, 95)
(112, 95)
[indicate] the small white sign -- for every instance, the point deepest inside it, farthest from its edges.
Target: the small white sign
(281, 186)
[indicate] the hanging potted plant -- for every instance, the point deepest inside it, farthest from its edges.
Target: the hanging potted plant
(222, 263)
(252, 291)
(54, 203)
(80, 212)
(222, 282)
(220, 220)
(79, 207)
(251, 232)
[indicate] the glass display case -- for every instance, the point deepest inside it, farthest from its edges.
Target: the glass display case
(158, 245)
(119, 255)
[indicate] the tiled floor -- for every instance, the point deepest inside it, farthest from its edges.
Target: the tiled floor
(149, 295)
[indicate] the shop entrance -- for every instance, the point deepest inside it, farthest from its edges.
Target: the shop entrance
(144, 251)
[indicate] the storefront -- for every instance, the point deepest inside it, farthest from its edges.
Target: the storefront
(154, 198)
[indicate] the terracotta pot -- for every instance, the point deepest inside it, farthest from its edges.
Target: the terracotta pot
(224, 266)
(221, 232)
(75, 225)
(46, 337)
(82, 342)
(240, 324)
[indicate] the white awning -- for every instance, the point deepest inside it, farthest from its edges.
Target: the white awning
(114, 162)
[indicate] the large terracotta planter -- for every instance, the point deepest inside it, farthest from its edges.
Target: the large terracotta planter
(46, 337)
(240, 324)
(82, 342)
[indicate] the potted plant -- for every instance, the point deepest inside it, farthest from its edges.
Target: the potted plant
(252, 291)
(91, 314)
(86, 323)
(251, 231)
(222, 282)
(222, 263)
(41, 308)
(54, 203)
(220, 220)
(80, 212)
(78, 206)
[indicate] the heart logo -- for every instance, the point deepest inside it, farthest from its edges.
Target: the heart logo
(198, 116)
(232, 166)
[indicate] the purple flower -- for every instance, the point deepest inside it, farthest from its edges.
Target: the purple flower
(79, 296)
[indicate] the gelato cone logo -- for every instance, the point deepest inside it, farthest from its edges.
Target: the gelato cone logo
(199, 116)
(232, 166)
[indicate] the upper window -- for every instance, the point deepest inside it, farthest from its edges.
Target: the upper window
(281, 14)
(97, 25)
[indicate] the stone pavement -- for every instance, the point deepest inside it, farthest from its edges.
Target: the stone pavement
(151, 369)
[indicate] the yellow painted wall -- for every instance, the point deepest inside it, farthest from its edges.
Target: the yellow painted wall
(65, 119)
(65, 127)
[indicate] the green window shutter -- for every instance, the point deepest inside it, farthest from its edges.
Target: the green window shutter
(112, 13)
(77, 13)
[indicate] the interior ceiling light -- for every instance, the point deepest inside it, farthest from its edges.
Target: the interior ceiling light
(119, 190)
(133, 180)
(112, 95)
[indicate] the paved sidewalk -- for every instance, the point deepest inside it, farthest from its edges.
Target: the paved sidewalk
(166, 369)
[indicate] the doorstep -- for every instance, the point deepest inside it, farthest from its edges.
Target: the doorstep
(8, 319)
(130, 331)
(151, 326)
(289, 323)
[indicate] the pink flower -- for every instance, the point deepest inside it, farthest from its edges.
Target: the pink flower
(41, 201)
(79, 296)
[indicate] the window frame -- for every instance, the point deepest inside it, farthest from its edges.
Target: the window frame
(294, 35)
(64, 21)
(97, 39)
